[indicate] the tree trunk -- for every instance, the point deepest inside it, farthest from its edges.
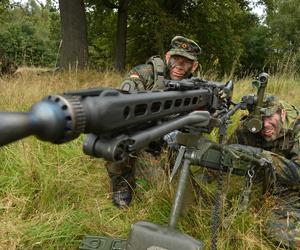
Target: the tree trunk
(74, 50)
(121, 35)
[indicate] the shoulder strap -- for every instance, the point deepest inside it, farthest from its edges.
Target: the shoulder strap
(159, 71)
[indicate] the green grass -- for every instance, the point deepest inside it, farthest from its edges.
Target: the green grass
(53, 195)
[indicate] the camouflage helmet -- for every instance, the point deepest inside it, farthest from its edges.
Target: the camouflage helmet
(185, 47)
(271, 105)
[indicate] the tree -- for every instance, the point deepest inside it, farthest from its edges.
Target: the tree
(257, 50)
(284, 22)
(218, 27)
(121, 35)
(74, 50)
(151, 26)
(27, 34)
(4, 6)
(121, 31)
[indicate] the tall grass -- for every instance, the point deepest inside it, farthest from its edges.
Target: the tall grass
(51, 196)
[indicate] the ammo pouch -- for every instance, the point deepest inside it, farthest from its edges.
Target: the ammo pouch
(158, 70)
(148, 236)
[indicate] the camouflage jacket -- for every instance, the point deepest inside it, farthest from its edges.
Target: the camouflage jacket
(147, 76)
(284, 152)
(141, 77)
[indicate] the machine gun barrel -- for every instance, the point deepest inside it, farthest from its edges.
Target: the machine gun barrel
(15, 126)
(61, 118)
(45, 120)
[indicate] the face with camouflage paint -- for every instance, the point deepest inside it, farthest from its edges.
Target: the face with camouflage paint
(180, 67)
(272, 126)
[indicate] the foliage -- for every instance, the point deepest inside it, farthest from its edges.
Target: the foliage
(52, 195)
(220, 27)
(284, 23)
(257, 50)
(211, 24)
(150, 32)
(101, 32)
(4, 5)
(233, 39)
(30, 35)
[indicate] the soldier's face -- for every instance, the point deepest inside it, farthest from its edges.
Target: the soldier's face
(272, 127)
(180, 66)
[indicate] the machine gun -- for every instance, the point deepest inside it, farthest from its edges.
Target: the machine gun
(62, 118)
(119, 123)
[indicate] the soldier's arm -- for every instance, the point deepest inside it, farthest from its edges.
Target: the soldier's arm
(139, 78)
(287, 168)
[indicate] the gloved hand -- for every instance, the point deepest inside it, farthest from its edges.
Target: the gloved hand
(253, 151)
(205, 144)
(249, 154)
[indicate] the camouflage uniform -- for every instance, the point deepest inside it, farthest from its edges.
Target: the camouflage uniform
(284, 154)
(147, 76)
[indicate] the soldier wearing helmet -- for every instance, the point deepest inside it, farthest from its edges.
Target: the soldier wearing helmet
(279, 142)
(180, 62)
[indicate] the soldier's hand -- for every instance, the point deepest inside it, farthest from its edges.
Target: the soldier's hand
(246, 149)
(250, 154)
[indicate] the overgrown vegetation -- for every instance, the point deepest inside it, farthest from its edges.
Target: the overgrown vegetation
(51, 196)
(30, 35)
(233, 39)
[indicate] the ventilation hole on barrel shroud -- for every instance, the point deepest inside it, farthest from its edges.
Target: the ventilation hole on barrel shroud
(140, 109)
(126, 112)
(178, 103)
(168, 104)
(155, 107)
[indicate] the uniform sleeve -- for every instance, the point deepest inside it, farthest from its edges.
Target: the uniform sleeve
(138, 78)
(295, 152)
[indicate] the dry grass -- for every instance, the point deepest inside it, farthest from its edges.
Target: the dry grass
(51, 196)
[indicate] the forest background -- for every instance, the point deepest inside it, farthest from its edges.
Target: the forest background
(102, 34)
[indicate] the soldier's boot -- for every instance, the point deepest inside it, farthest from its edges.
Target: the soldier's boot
(122, 182)
(122, 187)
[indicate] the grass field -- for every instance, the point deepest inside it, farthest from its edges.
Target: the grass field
(53, 195)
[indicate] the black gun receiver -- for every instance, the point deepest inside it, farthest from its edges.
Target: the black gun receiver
(117, 122)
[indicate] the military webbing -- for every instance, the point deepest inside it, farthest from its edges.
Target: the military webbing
(158, 70)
